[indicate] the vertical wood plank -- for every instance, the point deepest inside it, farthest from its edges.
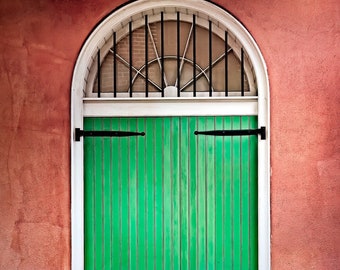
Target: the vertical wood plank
(159, 189)
(219, 192)
(201, 198)
(193, 240)
(133, 195)
(184, 157)
(141, 202)
(228, 198)
(98, 194)
(125, 194)
(210, 194)
(236, 192)
(150, 175)
(89, 237)
(245, 194)
(106, 200)
(253, 216)
(116, 195)
(176, 196)
(167, 252)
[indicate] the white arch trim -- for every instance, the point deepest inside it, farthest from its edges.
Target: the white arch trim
(96, 40)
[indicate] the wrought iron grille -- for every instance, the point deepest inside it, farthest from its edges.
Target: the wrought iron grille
(171, 54)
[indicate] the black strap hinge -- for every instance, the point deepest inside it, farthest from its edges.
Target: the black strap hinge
(243, 132)
(104, 133)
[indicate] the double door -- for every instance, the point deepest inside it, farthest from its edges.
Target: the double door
(170, 199)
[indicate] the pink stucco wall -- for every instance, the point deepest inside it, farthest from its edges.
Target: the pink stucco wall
(39, 43)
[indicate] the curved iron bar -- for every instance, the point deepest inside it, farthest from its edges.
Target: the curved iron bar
(167, 57)
(185, 51)
(126, 63)
(157, 55)
(204, 70)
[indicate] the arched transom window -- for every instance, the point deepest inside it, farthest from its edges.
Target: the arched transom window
(170, 52)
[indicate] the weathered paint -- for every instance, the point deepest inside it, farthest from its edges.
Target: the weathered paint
(39, 44)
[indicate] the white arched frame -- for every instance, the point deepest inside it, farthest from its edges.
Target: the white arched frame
(81, 107)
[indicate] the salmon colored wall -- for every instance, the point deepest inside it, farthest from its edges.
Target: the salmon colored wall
(39, 44)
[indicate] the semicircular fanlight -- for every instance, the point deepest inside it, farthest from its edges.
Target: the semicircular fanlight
(169, 53)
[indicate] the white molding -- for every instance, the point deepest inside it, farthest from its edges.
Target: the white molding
(84, 61)
(168, 107)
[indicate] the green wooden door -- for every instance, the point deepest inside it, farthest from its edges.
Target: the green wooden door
(170, 200)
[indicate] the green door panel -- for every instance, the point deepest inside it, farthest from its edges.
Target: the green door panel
(170, 199)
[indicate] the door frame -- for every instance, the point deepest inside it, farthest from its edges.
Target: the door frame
(82, 107)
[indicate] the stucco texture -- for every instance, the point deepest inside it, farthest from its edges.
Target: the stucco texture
(39, 44)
